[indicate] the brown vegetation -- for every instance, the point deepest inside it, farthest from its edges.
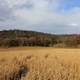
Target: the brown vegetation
(39, 64)
(14, 38)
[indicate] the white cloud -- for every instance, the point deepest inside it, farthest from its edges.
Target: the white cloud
(73, 24)
(42, 15)
(13, 3)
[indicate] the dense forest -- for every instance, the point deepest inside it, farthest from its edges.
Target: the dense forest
(13, 38)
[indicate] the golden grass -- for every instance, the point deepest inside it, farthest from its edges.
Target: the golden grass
(40, 63)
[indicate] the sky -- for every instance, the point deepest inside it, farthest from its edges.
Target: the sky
(51, 16)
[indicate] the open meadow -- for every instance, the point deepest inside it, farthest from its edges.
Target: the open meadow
(25, 63)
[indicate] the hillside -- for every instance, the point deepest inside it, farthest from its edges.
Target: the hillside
(13, 38)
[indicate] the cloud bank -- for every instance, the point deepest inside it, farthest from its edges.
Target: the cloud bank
(53, 16)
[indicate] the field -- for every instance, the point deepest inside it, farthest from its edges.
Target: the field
(24, 63)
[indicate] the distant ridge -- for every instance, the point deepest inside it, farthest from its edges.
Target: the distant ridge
(13, 38)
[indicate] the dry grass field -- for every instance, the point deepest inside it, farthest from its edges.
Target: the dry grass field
(39, 64)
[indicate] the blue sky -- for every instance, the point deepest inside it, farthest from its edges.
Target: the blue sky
(52, 16)
(69, 4)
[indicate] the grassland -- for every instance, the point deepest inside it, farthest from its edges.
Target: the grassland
(40, 63)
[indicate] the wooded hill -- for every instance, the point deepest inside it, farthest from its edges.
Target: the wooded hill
(13, 38)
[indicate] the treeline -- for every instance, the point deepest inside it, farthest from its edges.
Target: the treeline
(13, 38)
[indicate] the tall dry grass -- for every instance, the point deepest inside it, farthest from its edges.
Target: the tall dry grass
(43, 67)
